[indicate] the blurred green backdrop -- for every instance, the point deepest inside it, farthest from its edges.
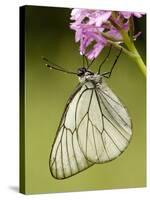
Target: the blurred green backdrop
(47, 33)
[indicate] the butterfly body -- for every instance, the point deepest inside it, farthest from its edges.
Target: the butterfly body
(95, 128)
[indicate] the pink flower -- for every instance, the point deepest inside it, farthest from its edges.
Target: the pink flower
(127, 15)
(87, 26)
(90, 24)
(91, 17)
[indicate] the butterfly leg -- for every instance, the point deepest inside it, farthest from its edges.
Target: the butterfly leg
(108, 74)
(99, 69)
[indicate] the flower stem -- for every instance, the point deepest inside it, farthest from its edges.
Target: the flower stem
(132, 55)
(131, 47)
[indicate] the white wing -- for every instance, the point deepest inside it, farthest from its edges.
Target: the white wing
(67, 158)
(94, 128)
(104, 128)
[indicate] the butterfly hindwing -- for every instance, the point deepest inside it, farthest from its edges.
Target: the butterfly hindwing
(67, 158)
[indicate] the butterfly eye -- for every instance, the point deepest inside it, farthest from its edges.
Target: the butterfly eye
(81, 71)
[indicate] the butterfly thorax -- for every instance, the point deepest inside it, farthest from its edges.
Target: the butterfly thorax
(85, 75)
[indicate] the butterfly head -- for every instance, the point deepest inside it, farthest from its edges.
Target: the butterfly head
(82, 71)
(85, 75)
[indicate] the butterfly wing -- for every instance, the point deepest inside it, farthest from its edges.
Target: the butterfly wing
(67, 158)
(94, 128)
(104, 129)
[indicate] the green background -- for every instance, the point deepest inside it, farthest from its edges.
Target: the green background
(47, 33)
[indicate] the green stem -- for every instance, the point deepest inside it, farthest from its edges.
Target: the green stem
(115, 43)
(131, 47)
(132, 55)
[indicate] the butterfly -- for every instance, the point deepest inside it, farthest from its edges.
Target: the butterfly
(95, 126)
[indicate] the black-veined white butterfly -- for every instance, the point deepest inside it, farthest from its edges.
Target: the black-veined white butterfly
(95, 126)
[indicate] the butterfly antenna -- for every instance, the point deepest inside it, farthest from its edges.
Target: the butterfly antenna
(52, 65)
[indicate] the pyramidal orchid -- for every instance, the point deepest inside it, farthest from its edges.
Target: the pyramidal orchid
(96, 29)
